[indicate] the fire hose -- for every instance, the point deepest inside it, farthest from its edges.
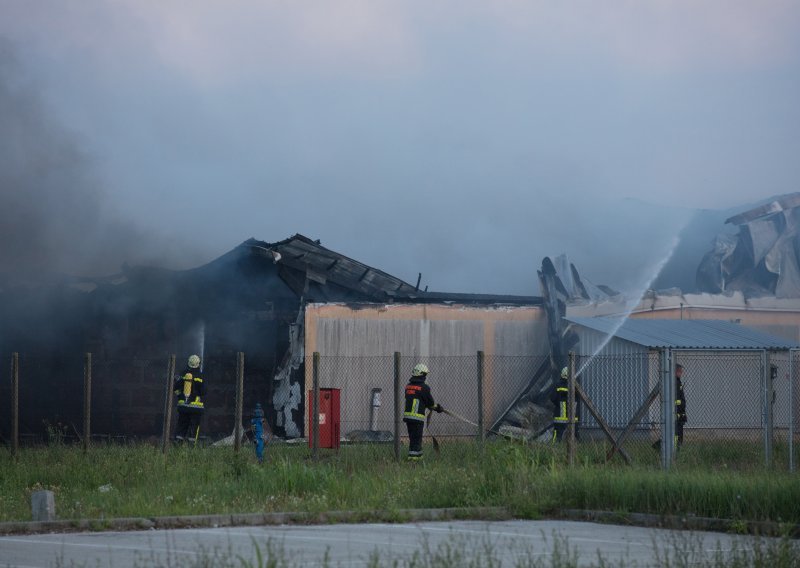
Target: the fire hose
(462, 419)
(471, 423)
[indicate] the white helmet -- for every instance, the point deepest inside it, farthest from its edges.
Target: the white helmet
(420, 370)
(565, 372)
(194, 361)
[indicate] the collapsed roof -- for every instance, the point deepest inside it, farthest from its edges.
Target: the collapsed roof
(317, 273)
(763, 259)
(571, 287)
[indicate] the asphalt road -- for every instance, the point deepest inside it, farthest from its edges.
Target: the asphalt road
(464, 543)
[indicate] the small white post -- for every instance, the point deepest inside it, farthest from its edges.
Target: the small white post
(43, 506)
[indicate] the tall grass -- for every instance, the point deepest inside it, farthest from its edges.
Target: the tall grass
(683, 551)
(139, 481)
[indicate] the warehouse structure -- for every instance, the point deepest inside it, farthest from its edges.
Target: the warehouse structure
(739, 382)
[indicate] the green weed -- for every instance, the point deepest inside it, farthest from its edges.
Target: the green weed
(530, 480)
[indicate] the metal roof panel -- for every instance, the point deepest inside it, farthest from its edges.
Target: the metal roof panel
(685, 334)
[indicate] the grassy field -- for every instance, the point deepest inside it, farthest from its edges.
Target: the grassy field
(532, 481)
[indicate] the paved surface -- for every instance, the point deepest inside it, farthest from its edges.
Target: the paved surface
(356, 544)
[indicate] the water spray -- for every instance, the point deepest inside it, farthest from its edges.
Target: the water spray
(202, 344)
(199, 342)
(630, 305)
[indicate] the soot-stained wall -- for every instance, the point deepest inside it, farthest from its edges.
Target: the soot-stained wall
(236, 303)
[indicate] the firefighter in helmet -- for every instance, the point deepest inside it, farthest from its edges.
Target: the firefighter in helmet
(418, 399)
(559, 399)
(189, 389)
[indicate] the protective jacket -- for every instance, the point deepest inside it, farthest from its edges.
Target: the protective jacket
(680, 402)
(559, 399)
(418, 398)
(189, 390)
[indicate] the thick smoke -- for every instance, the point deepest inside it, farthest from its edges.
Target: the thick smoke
(55, 217)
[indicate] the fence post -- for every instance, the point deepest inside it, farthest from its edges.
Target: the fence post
(767, 407)
(87, 401)
(792, 354)
(667, 409)
(168, 405)
(481, 430)
(571, 411)
(14, 403)
(397, 398)
(315, 407)
(237, 428)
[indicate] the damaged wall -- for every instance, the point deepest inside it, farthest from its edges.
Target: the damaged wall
(131, 325)
(250, 299)
(360, 339)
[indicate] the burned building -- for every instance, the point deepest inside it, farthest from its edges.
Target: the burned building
(250, 300)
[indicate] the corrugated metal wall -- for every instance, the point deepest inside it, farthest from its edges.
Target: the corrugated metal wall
(424, 330)
(617, 375)
(358, 342)
(724, 388)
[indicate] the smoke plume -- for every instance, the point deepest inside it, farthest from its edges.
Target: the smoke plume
(55, 216)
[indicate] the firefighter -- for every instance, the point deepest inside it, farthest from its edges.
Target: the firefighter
(680, 410)
(189, 389)
(559, 399)
(418, 400)
(680, 406)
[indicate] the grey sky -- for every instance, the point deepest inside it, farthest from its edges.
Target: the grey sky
(462, 139)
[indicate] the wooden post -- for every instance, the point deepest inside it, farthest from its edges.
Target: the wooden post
(315, 407)
(587, 402)
(87, 401)
(398, 401)
(635, 420)
(168, 405)
(14, 403)
(571, 411)
(237, 429)
(481, 430)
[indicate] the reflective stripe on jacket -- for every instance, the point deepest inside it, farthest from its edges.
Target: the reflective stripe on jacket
(418, 399)
(680, 402)
(560, 400)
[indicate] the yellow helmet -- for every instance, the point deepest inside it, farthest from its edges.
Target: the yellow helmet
(194, 361)
(565, 372)
(419, 370)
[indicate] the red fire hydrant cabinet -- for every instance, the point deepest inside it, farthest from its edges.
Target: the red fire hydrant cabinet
(329, 418)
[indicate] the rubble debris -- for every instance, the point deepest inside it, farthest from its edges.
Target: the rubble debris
(531, 413)
(763, 259)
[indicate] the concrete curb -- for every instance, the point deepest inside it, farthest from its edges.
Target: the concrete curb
(684, 522)
(253, 519)
(681, 522)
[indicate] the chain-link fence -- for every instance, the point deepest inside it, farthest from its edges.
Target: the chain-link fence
(620, 407)
(128, 398)
(737, 404)
(473, 390)
(784, 405)
(742, 407)
(622, 404)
